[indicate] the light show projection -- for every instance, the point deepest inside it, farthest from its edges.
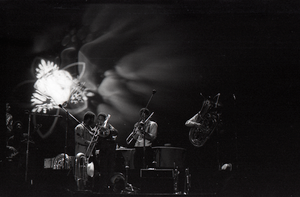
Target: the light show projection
(54, 87)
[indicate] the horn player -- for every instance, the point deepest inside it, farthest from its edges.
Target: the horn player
(106, 145)
(83, 139)
(145, 134)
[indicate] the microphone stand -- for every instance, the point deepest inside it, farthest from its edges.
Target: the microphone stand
(66, 133)
(153, 92)
(27, 149)
(66, 141)
(28, 137)
(144, 150)
(144, 140)
(235, 134)
(68, 114)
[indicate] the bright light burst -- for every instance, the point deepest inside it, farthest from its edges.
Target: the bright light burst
(54, 87)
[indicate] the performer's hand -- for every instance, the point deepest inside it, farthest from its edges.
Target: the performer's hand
(198, 125)
(136, 135)
(140, 133)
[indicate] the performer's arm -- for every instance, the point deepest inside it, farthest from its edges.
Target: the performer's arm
(79, 137)
(193, 122)
(114, 132)
(9, 122)
(152, 133)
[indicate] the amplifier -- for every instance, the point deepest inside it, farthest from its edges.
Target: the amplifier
(156, 173)
(58, 162)
(157, 180)
(48, 163)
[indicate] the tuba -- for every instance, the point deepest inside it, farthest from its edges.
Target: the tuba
(83, 170)
(209, 118)
(81, 175)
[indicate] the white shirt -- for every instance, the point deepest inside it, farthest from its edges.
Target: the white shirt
(151, 129)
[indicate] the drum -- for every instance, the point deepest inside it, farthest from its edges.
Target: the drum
(169, 157)
(60, 163)
(126, 157)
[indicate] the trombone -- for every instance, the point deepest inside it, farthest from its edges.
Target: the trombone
(133, 133)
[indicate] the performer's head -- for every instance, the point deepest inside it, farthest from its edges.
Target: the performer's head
(144, 112)
(18, 125)
(18, 128)
(7, 107)
(101, 118)
(89, 118)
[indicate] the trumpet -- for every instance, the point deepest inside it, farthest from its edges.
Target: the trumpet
(139, 127)
(98, 131)
(103, 130)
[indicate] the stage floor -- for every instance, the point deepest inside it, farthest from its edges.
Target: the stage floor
(245, 182)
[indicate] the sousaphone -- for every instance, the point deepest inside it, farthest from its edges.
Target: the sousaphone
(209, 118)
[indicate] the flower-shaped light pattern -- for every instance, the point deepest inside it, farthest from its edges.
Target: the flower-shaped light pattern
(53, 87)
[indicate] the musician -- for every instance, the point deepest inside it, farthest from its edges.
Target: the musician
(106, 145)
(9, 122)
(14, 144)
(82, 135)
(18, 137)
(207, 152)
(146, 133)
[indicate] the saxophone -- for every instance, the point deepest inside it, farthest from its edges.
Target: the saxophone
(209, 118)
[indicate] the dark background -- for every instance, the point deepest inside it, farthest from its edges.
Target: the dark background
(248, 52)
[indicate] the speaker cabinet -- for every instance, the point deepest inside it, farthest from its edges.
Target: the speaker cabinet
(157, 180)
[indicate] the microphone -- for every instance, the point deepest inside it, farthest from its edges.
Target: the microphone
(153, 92)
(63, 105)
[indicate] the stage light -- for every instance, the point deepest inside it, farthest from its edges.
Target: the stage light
(54, 87)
